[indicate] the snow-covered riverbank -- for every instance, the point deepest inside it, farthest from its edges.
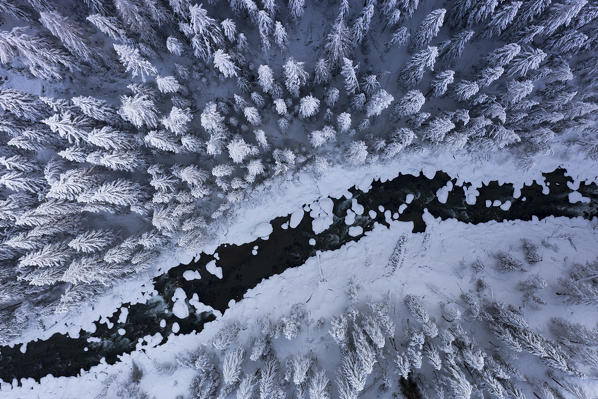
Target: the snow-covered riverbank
(436, 264)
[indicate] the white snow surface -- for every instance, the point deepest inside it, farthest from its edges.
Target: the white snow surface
(263, 230)
(437, 265)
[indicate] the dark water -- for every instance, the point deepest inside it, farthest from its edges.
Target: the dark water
(62, 355)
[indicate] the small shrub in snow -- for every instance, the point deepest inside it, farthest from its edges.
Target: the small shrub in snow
(451, 312)
(530, 288)
(581, 286)
(531, 251)
(291, 324)
(508, 263)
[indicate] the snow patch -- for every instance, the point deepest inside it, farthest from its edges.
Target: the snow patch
(191, 275)
(296, 218)
(576, 196)
(122, 317)
(200, 307)
(471, 195)
(444, 191)
(350, 218)
(356, 207)
(213, 269)
(180, 308)
(321, 212)
(355, 231)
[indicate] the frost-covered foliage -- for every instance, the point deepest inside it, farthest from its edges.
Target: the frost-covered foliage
(384, 349)
(127, 118)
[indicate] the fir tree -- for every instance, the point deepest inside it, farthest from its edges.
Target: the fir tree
(224, 64)
(378, 103)
(108, 25)
(400, 37)
(501, 19)
(413, 70)
(526, 61)
(167, 84)
(561, 14)
(296, 8)
(349, 72)
(451, 51)
(177, 120)
(280, 35)
(68, 32)
(174, 45)
(344, 122)
(338, 43)
(437, 128)
(238, 150)
(481, 11)
(96, 109)
(308, 106)
(21, 105)
(295, 76)
(503, 55)
(265, 77)
(139, 110)
(465, 89)
(162, 140)
(67, 126)
(357, 153)
(91, 241)
(441, 82)
(134, 62)
(410, 103)
(43, 59)
(117, 192)
(489, 75)
(429, 28)
(231, 366)
(321, 71)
